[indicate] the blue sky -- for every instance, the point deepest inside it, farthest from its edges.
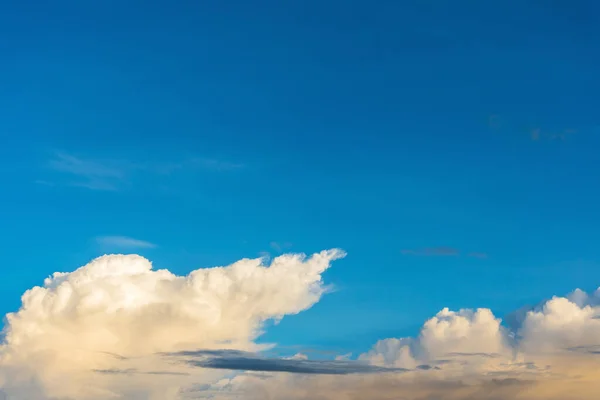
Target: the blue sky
(450, 150)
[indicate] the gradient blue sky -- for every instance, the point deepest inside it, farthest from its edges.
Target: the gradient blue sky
(219, 131)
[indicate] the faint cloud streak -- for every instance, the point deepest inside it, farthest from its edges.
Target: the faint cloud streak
(534, 132)
(114, 174)
(279, 247)
(476, 254)
(214, 164)
(442, 251)
(124, 242)
(432, 251)
(104, 175)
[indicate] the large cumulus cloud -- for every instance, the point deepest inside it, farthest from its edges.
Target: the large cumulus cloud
(94, 333)
(116, 328)
(551, 353)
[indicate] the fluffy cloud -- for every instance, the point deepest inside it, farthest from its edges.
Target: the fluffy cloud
(95, 333)
(116, 328)
(551, 328)
(466, 333)
(550, 354)
(562, 323)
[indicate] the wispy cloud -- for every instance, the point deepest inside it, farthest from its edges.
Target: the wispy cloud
(89, 173)
(246, 361)
(124, 242)
(442, 251)
(214, 164)
(534, 133)
(276, 248)
(88, 168)
(477, 254)
(97, 184)
(115, 174)
(432, 251)
(537, 134)
(195, 163)
(279, 247)
(43, 182)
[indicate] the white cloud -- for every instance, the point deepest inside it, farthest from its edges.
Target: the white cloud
(446, 334)
(561, 323)
(94, 333)
(466, 355)
(124, 242)
(97, 332)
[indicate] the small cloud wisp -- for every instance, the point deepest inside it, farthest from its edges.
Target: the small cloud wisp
(124, 242)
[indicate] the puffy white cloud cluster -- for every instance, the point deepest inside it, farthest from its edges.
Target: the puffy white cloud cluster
(552, 354)
(474, 336)
(95, 333)
(563, 323)
(555, 327)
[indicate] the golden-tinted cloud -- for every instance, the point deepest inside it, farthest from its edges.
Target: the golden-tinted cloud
(116, 328)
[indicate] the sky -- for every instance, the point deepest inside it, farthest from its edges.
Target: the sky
(447, 148)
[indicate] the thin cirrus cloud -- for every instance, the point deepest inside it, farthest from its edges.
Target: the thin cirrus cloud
(279, 247)
(67, 163)
(104, 175)
(535, 133)
(117, 174)
(214, 164)
(91, 173)
(432, 251)
(124, 242)
(477, 254)
(442, 251)
(194, 163)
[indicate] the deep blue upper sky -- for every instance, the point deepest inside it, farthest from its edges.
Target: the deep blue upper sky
(213, 129)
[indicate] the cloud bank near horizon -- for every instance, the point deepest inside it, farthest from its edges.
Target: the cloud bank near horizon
(553, 354)
(116, 328)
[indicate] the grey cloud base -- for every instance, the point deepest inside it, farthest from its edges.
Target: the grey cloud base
(245, 361)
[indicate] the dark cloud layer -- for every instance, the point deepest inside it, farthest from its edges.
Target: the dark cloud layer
(245, 361)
